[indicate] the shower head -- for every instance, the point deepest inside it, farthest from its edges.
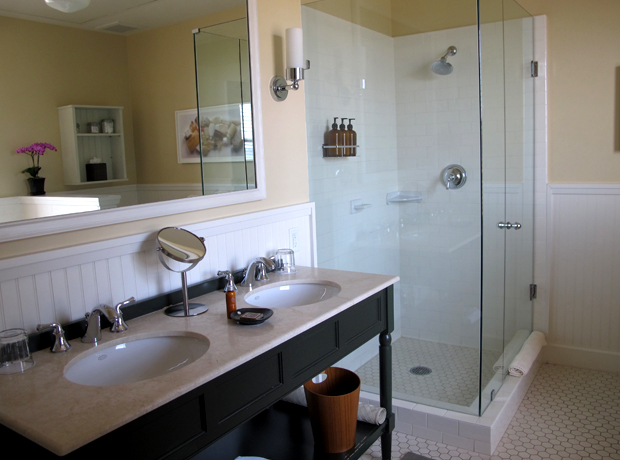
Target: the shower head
(442, 66)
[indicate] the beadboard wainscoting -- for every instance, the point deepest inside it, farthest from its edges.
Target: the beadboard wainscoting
(584, 245)
(61, 285)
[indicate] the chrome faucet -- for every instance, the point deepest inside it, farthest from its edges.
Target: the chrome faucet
(114, 315)
(257, 271)
(60, 341)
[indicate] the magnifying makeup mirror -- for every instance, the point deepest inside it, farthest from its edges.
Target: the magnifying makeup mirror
(184, 247)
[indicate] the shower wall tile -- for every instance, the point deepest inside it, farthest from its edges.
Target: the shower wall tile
(444, 112)
(437, 126)
(411, 124)
(350, 78)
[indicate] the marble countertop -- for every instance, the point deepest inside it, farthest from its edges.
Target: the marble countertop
(62, 416)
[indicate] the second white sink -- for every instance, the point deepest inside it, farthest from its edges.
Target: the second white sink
(135, 360)
(292, 295)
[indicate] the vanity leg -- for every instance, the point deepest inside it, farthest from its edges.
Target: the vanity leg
(385, 390)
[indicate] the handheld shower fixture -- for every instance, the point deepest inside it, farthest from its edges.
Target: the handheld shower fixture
(442, 66)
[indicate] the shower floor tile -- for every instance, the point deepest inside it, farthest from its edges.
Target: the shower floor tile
(568, 413)
(453, 379)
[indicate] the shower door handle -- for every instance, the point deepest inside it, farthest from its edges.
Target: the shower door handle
(508, 225)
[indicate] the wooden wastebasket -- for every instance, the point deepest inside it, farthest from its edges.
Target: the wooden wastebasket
(333, 405)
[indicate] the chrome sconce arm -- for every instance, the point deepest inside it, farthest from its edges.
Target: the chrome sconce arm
(280, 87)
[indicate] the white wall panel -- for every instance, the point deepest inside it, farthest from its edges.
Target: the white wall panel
(585, 267)
(61, 285)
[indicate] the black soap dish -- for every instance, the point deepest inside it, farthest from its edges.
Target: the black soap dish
(248, 316)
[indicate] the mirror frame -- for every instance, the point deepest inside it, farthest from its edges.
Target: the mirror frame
(32, 228)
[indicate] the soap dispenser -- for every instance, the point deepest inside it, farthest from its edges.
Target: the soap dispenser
(350, 139)
(334, 139)
(230, 291)
(343, 138)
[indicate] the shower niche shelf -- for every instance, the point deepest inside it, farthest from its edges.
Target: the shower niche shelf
(403, 197)
(337, 151)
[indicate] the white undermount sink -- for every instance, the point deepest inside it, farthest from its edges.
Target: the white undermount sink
(292, 295)
(136, 360)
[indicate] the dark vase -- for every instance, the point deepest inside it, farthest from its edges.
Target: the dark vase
(37, 185)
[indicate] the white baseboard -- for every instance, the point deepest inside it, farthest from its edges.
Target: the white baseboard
(584, 358)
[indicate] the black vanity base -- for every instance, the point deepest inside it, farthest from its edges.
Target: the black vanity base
(240, 413)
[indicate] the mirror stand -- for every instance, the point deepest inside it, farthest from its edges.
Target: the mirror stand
(185, 308)
(185, 247)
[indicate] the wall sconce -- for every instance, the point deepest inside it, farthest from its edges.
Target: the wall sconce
(295, 66)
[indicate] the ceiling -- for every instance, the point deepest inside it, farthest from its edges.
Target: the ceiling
(139, 14)
(397, 18)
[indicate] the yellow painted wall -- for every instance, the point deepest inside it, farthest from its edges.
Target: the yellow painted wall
(583, 113)
(583, 81)
(372, 14)
(45, 67)
(284, 134)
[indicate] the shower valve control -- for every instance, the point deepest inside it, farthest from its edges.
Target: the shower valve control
(453, 176)
(508, 225)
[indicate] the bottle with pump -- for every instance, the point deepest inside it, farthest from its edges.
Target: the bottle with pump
(343, 137)
(230, 291)
(334, 139)
(350, 139)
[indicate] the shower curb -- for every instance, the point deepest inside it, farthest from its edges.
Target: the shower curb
(476, 434)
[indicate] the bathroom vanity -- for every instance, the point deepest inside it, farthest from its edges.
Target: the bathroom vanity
(223, 405)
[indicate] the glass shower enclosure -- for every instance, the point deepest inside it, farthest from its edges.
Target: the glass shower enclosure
(219, 134)
(440, 191)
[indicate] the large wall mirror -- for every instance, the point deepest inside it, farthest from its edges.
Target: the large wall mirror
(141, 63)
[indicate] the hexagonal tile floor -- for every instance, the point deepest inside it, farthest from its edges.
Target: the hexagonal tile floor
(568, 413)
(453, 378)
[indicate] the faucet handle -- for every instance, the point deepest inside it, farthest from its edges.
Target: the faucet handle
(60, 343)
(270, 263)
(119, 324)
(261, 271)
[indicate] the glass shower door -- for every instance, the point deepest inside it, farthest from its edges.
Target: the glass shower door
(220, 136)
(505, 32)
(519, 107)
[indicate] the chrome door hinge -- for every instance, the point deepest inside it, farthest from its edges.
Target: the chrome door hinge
(509, 225)
(533, 291)
(534, 68)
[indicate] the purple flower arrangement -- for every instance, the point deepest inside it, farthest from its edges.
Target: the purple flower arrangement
(35, 151)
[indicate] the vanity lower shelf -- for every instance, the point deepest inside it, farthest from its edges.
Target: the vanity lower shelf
(283, 432)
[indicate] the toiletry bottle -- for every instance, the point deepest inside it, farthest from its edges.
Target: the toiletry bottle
(334, 139)
(351, 138)
(230, 291)
(343, 137)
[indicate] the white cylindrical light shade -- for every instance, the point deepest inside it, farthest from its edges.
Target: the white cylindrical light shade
(295, 48)
(68, 6)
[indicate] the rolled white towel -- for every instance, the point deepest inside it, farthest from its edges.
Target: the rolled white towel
(371, 414)
(365, 412)
(526, 357)
(511, 350)
(297, 397)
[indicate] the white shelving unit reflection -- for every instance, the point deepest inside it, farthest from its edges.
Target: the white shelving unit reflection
(79, 146)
